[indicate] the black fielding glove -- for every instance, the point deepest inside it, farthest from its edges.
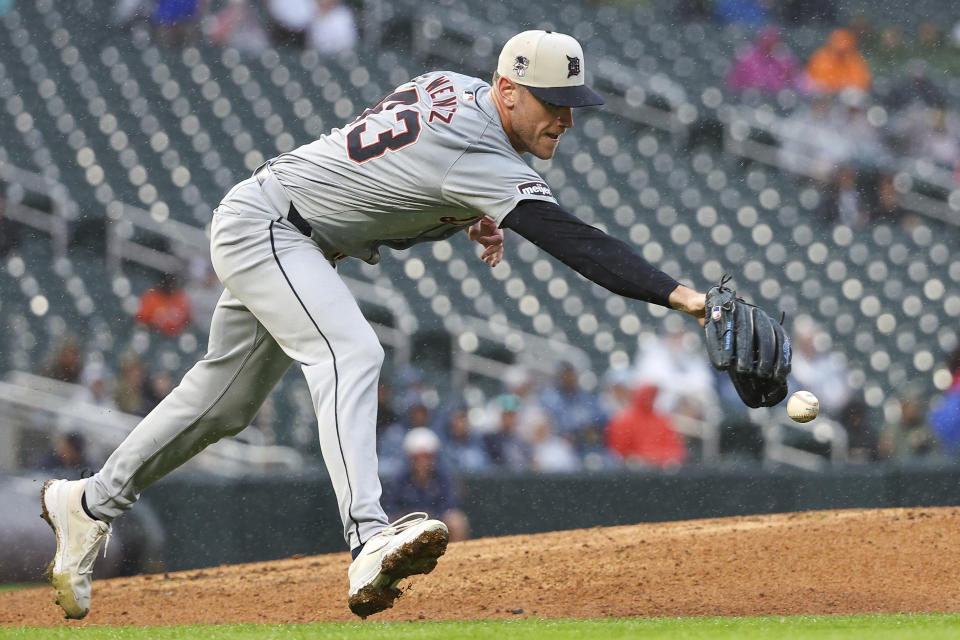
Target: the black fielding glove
(749, 345)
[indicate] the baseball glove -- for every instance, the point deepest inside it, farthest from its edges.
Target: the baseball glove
(749, 345)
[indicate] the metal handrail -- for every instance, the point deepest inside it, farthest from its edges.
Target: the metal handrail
(49, 410)
(536, 352)
(739, 120)
(706, 430)
(54, 222)
(775, 430)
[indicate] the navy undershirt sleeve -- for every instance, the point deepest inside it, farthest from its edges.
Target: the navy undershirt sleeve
(601, 258)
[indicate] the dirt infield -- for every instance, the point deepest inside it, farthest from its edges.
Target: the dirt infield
(891, 560)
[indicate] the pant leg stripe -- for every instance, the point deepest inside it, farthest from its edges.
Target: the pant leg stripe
(336, 381)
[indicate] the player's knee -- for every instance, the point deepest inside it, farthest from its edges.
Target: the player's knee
(376, 353)
(367, 351)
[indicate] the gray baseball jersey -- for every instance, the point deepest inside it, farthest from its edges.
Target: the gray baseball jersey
(428, 160)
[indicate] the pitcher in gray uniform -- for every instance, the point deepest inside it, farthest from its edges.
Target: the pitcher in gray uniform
(439, 155)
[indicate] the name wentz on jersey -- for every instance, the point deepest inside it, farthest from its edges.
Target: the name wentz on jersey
(428, 160)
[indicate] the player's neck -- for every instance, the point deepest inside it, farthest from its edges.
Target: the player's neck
(505, 120)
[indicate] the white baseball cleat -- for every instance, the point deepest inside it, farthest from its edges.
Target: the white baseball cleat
(78, 540)
(407, 547)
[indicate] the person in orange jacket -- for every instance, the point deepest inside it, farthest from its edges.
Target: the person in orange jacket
(165, 308)
(838, 64)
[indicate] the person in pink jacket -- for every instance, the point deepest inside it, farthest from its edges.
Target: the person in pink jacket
(767, 65)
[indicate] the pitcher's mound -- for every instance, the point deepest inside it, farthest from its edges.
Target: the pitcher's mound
(858, 561)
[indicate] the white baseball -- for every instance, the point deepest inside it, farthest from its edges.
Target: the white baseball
(803, 406)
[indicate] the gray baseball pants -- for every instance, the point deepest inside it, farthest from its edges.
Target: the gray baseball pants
(283, 302)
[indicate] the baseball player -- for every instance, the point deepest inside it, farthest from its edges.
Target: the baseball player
(439, 155)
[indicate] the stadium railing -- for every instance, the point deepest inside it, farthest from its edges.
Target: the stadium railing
(34, 409)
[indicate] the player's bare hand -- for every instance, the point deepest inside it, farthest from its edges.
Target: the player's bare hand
(492, 255)
(490, 237)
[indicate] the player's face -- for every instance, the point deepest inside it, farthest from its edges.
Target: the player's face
(538, 125)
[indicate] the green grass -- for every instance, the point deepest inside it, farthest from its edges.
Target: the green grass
(18, 585)
(867, 627)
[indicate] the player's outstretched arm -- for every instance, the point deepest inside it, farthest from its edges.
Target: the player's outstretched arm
(599, 257)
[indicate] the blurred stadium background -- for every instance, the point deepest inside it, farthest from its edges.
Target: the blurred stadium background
(739, 137)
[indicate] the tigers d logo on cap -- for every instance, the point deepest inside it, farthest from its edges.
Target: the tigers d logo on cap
(550, 65)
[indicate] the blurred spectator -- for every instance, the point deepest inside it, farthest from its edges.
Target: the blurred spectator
(425, 486)
(463, 449)
(67, 361)
(386, 416)
(830, 133)
(941, 144)
(944, 419)
(929, 45)
(617, 389)
(908, 436)
(204, 291)
(519, 382)
(838, 64)
(574, 411)
(131, 392)
(166, 307)
(886, 208)
(288, 21)
(333, 29)
(550, 453)
(861, 28)
(410, 389)
(639, 434)
(862, 137)
(237, 25)
(915, 87)
(747, 13)
(862, 442)
(818, 369)
(177, 22)
(390, 441)
(930, 133)
(888, 51)
(67, 454)
(767, 65)
(95, 379)
(813, 139)
(504, 447)
(325, 25)
(159, 385)
(842, 202)
(929, 37)
(677, 365)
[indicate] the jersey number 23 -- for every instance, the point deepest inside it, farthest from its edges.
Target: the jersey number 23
(389, 139)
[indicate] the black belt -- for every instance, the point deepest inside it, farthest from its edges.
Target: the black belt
(292, 214)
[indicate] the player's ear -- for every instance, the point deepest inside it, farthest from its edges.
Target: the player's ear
(509, 91)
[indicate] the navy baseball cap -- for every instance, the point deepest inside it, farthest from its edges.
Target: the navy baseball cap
(550, 65)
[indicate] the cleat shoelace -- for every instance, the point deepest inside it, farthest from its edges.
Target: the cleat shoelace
(405, 522)
(100, 531)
